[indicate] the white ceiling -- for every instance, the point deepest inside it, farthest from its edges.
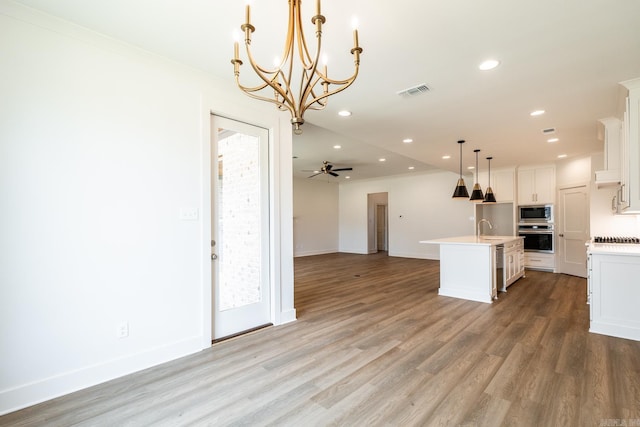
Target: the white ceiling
(563, 56)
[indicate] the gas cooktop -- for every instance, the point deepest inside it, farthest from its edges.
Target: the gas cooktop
(616, 239)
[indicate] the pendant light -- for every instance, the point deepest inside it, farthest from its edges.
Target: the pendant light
(476, 194)
(489, 197)
(461, 189)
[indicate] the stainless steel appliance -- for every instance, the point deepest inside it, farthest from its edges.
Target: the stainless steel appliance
(537, 237)
(535, 214)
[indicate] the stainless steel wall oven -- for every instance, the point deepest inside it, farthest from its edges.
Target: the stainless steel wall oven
(537, 237)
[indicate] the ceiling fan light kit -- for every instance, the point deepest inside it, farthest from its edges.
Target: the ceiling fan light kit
(313, 82)
(461, 189)
(327, 169)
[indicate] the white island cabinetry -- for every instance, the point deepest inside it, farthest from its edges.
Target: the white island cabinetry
(471, 269)
(513, 261)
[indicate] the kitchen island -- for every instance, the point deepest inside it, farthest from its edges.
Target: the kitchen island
(474, 268)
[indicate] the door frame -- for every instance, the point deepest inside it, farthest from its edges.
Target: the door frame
(373, 199)
(240, 314)
(280, 209)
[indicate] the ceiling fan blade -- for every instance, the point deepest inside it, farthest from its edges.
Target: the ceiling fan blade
(333, 174)
(328, 167)
(343, 169)
(314, 175)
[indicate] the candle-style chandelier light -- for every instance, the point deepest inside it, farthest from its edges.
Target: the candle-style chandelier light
(313, 83)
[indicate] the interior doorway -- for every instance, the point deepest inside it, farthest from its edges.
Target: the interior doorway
(240, 236)
(572, 230)
(381, 227)
(377, 222)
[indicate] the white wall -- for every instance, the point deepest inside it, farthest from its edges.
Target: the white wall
(420, 208)
(315, 217)
(101, 145)
(575, 171)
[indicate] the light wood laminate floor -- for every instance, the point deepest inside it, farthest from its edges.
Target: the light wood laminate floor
(374, 345)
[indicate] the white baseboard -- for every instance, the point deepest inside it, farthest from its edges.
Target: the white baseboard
(288, 316)
(615, 330)
(418, 255)
(311, 253)
(69, 382)
(354, 251)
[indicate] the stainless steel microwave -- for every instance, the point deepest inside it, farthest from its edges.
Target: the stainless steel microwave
(535, 213)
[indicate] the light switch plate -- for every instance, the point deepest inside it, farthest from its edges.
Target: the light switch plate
(188, 214)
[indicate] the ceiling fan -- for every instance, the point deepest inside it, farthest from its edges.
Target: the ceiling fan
(327, 169)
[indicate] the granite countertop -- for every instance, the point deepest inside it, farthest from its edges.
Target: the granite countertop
(473, 240)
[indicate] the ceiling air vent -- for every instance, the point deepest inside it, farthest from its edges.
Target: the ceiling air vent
(414, 91)
(548, 131)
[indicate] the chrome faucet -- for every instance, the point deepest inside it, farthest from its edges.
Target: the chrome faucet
(480, 222)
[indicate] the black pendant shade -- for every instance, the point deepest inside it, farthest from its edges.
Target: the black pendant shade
(489, 197)
(461, 189)
(476, 193)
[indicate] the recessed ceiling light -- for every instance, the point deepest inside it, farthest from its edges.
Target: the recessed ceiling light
(446, 157)
(344, 113)
(536, 113)
(562, 156)
(316, 171)
(471, 167)
(337, 147)
(347, 177)
(382, 159)
(553, 140)
(489, 64)
(411, 168)
(407, 140)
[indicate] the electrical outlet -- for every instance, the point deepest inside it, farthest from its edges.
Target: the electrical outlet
(123, 330)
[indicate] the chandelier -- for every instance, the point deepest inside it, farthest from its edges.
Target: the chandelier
(313, 85)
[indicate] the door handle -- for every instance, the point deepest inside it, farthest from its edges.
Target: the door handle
(561, 235)
(214, 257)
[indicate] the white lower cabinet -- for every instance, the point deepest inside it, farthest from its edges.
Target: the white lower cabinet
(510, 263)
(539, 261)
(613, 293)
(513, 261)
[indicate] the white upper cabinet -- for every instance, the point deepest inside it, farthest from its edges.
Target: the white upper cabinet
(537, 185)
(610, 132)
(502, 184)
(629, 195)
